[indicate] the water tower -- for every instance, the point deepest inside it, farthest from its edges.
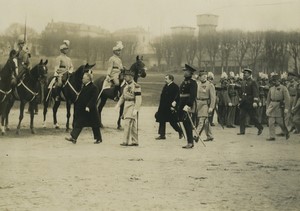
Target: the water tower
(207, 23)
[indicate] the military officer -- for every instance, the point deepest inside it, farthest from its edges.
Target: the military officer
(63, 64)
(233, 100)
(278, 104)
(132, 99)
(292, 88)
(248, 102)
(263, 93)
(206, 100)
(296, 110)
(114, 68)
(188, 95)
(23, 58)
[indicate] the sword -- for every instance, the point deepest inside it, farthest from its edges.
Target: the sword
(194, 128)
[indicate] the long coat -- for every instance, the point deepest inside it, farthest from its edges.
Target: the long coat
(87, 98)
(248, 93)
(169, 94)
(277, 97)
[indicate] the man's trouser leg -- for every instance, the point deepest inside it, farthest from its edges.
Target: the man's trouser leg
(134, 132)
(231, 115)
(117, 86)
(175, 126)
(189, 130)
(253, 116)
(279, 121)
(207, 128)
(97, 133)
(272, 127)
(75, 132)
(126, 131)
(162, 129)
(243, 114)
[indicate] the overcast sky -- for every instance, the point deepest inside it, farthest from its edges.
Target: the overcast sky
(157, 16)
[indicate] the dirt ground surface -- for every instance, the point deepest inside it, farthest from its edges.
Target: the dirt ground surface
(45, 172)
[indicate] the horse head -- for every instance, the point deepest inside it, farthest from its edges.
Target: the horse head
(40, 71)
(139, 68)
(78, 74)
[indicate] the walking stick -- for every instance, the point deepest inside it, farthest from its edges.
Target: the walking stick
(194, 128)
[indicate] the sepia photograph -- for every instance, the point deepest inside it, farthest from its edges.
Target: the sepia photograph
(150, 105)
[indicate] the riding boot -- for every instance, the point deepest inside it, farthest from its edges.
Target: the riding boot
(116, 93)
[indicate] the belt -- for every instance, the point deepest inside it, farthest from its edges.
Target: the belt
(293, 95)
(62, 66)
(202, 99)
(184, 95)
(115, 67)
(129, 99)
(276, 101)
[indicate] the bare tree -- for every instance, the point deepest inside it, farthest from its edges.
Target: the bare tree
(159, 50)
(294, 48)
(241, 47)
(211, 45)
(256, 46)
(226, 47)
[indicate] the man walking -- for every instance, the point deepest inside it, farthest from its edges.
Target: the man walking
(249, 102)
(167, 110)
(86, 113)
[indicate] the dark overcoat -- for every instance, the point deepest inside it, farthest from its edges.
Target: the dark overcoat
(248, 93)
(87, 98)
(169, 94)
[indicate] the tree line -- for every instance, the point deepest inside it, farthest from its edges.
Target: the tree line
(227, 50)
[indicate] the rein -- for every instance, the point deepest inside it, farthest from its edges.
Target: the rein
(29, 90)
(5, 94)
(72, 88)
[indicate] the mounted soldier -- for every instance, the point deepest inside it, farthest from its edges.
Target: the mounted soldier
(114, 69)
(63, 64)
(23, 57)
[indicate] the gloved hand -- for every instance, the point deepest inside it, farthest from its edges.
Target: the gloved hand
(259, 104)
(286, 110)
(173, 104)
(134, 112)
(210, 110)
(87, 109)
(107, 78)
(230, 104)
(254, 105)
(186, 108)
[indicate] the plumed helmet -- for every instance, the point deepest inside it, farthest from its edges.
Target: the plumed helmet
(284, 75)
(210, 75)
(119, 46)
(224, 75)
(231, 74)
(67, 42)
(63, 46)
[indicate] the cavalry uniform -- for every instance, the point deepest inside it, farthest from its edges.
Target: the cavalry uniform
(63, 64)
(114, 68)
(132, 99)
(188, 95)
(278, 102)
(206, 100)
(23, 61)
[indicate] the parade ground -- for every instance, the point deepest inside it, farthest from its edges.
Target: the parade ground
(45, 172)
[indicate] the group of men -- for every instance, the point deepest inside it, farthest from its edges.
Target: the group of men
(236, 100)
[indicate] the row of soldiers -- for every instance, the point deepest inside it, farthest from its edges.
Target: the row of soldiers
(229, 96)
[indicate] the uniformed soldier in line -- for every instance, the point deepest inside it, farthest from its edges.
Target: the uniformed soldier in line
(278, 104)
(263, 93)
(233, 100)
(63, 64)
(114, 68)
(222, 99)
(292, 88)
(23, 57)
(296, 110)
(206, 100)
(132, 99)
(210, 78)
(248, 102)
(188, 95)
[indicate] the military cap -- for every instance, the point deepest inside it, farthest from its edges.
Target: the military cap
(189, 68)
(247, 70)
(275, 76)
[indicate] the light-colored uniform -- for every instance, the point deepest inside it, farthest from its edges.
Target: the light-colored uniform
(292, 88)
(23, 62)
(206, 98)
(63, 64)
(277, 96)
(132, 100)
(114, 69)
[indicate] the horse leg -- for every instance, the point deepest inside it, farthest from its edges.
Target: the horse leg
(120, 115)
(22, 105)
(100, 108)
(68, 106)
(55, 108)
(10, 104)
(32, 106)
(45, 110)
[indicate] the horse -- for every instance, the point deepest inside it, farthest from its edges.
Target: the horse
(6, 83)
(72, 83)
(27, 90)
(138, 68)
